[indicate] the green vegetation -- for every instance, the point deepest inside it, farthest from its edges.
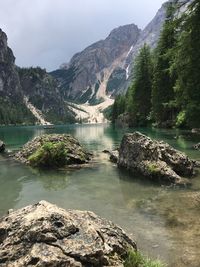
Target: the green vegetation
(187, 65)
(14, 112)
(166, 85)
(49, 155)
(136, 259)
(118, 107)
(108, 113)
(67, 76)
(153, 168)
(139, 104)
(164, 80)
(42, 92)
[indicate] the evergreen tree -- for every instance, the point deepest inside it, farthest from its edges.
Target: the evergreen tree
(118, 107)
(140, 104)
(187, 63)
(164, 81)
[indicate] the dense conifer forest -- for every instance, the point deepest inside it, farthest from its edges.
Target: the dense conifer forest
(165, 91)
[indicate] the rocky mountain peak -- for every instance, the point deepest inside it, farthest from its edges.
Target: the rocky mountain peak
(6, 54)
(90, 69)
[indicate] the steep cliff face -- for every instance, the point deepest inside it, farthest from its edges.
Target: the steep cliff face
(28, 95)
(12, 107)
(85, 77)
(41, 90)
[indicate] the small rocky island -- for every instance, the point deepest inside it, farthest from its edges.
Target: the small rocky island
(53, 151)
(156, 160)
(46, 235)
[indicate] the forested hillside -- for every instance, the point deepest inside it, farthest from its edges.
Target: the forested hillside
(165, 90)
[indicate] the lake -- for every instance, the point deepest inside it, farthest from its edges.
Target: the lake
(165, 222)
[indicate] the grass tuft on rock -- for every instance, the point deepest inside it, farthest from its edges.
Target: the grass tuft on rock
(49, 155)
(153, 168)
(136, 259)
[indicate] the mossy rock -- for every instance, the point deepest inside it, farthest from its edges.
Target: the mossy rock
(53, 151)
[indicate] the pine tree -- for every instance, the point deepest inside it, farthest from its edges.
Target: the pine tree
(187, 63)
(118, 107)
(164, 81)
(141, 88)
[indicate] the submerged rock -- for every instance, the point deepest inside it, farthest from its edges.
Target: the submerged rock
(197, 146)
(114, 155)
(154, 159)
(46, 235)
(196, 130)
(53, 150)
(2, 146)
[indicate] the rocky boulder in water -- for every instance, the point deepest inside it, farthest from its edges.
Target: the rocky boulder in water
(154, 159)
(2, 146)
(197, 146)
(53, 150)
(46, 235)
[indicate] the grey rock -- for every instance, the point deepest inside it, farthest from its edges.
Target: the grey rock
(90, 69)
(196, 130)
(197, 146)
(10, 88)
(154, 159)
(2, 146)
(76, 154)
(114, 155)
(46, 235)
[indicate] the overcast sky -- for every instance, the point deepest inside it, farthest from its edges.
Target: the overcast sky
(47, 33)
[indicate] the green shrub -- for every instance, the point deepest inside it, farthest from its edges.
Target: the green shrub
(136, 259)
(181, 119)
(49, 155)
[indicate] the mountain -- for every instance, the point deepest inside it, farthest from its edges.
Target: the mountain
(106, 67)
(28, 95)
(12, 107)
(41, 94)
(85, 77)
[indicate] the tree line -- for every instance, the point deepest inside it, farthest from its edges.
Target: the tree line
(165, 90)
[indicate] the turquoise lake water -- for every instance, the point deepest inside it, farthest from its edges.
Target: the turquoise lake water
(165, 222)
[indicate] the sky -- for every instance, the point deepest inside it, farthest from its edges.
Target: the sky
(47, 33)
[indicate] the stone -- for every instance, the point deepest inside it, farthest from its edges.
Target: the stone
(196, 130)
(197, 146)
(154, 159)
(114, 155)
(75, 153)
(2, 146)
(46, 235)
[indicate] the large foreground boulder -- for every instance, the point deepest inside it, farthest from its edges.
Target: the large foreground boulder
(2, 146)
(154, 159)
(45, 235)
(53, 150)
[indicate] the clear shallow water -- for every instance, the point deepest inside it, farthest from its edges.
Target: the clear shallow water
(164, 222)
